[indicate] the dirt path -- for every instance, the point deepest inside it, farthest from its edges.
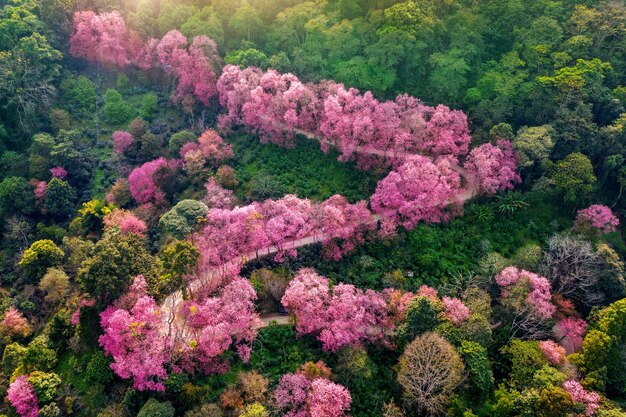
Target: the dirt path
(168, 306)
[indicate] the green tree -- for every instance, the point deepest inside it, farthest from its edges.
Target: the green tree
(154, 408)
(60, 198)
(149, 105)
(16, 196)
(478, 366)
(40, 256)
(46, 385)
(183, 218)
(246, 22)
(421, 317)
(525, 358)
(533, 145)
(116, 109)
(555, 402)
(573, 177)
(178, 139)
(117, 259)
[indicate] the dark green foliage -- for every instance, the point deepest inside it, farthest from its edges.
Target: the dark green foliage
(178, 139)
(149, 106)
(478, 366)
(117, 260)
(421, 317)
(525, 358)
(16, 196)
(60, 198)
(98, 369)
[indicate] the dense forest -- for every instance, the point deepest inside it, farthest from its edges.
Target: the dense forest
(327, 208)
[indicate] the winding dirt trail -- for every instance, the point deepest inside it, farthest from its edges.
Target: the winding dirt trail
(472, 189)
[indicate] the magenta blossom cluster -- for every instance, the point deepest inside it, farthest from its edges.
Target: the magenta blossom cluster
(122, 141)
(600, 217)
(297, 396)
(145, 180)
(342, 314)
(494, 165)
(455, 310)
(22, 396)
(554, 352)
(539, 297)
(580, 395)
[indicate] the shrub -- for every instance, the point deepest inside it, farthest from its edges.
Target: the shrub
(154, 408)
(115, 109)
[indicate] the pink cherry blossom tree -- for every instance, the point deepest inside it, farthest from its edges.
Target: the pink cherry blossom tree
(340, 315)
(419, 190)
(598, 217)
(213, 147)
(554, 352)
(103, 38)
(143, 181)
(572, 330)
(539, 296)
(296, 396)
(58, 172)
(126, 222)
(22, 396)
(494, 166)
(455, 310)
(14, 323)
(580, 395)
(122, 141)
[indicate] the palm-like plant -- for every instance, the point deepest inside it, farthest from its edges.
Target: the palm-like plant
(510, 202)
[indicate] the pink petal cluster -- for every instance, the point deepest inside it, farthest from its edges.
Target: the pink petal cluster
(455, 310)
(146, 340)
(217, 196)
(103, 38)
(428, 292)
(554, 352)
(539, 297)
(126, 221)
(40, 190)
(494, 166)
(210, 148)
(277, 105)
(58, 172)
(299, 397)
(231, 234)
(122, 141)
(573, 328)
(580, 395)
(14, 322)
(419, 190)
(143, 181)
(22, 396)
(598, 216)
(338, 316)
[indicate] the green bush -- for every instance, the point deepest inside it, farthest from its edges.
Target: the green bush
(98, 369)
(116, 109)
(154, 408)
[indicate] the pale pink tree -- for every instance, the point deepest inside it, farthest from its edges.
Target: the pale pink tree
(494, 166)
(58, 172)
(14, 323)
(572, 330)
(428, 292)
(598, 217)
(213, 147)
(217, 196)
(554, 352)
(539, 296)
(455, 310)
(22, 396)
(122, 141)
(103, 38)
(419, 190)
(234, 87)
(580, 395)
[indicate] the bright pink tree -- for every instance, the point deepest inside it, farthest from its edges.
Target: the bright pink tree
(213, 147)
(22, 396)
(580, 395)
(419, 190)
(338, 316)
(143, 180)
(554, 352)
(455, 310)
(572, 329)
(598, 217)
(122, 141)
(234, 87)
(58, 172)
(494, 166)
(298, 397)
(146, 340)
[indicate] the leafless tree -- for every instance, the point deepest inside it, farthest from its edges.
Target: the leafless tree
(430, 370)
(573, 268)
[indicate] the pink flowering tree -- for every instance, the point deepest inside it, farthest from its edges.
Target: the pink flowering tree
(122, 141)
(58, 172)
(494, 166)
(22, 396)
(146, 340)
(554, 352)
(217, 196)
(580, 395)
(144, 182)
(419, 190)
(571, 331)
(596, 217)
(338, 316)
(213, 148)
(103, 38)
(14, 323)
(297, 396)
(126, 222)
(455, 310)
(528, 296)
